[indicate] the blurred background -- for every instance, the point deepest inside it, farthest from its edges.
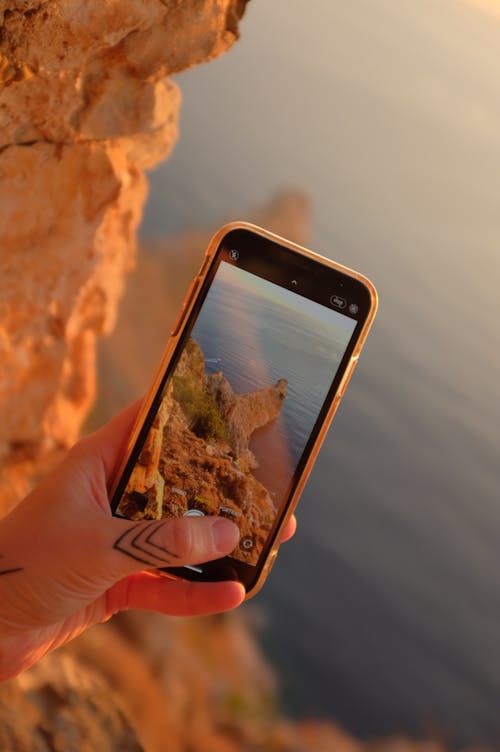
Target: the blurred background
(384, 613)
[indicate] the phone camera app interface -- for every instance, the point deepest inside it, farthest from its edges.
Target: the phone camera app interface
(239, 407)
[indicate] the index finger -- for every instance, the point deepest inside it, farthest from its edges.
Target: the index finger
(290, 529)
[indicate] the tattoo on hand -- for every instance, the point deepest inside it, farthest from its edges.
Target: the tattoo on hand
(10, 570)
(137, 543)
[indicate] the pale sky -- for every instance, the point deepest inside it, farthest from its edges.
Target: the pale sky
(490, 6)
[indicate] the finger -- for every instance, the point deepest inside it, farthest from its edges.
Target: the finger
(169, 542)
(173, 597)
(289, 530)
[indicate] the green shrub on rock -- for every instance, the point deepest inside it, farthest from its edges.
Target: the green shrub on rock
(200, 409)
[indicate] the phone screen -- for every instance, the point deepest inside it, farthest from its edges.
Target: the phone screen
(243, 398)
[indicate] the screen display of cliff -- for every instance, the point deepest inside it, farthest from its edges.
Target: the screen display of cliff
(238, 409)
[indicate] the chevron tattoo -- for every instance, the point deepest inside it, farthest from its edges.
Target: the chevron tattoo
(137, 543)
(10, 570)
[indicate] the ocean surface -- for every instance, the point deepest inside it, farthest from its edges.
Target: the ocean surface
(384, 613)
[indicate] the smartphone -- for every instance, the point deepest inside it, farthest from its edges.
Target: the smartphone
(257, 362)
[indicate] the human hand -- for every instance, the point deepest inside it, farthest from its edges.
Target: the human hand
(66, 563)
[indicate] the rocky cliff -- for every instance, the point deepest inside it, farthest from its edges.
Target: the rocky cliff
(147, 684)
(86, 106)
(244, 413)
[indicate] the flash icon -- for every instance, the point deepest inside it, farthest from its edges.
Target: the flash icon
(234, 254)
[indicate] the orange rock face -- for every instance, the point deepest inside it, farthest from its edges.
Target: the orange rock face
(85, 107)
(244, 413)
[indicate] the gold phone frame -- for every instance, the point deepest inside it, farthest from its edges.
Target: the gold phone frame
(178, 331)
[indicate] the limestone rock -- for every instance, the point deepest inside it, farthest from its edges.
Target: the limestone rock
(61, 705)
(68, 218)
(181, 684)
(86, 106)
(75, 69)
(212, 673)
(244, 413)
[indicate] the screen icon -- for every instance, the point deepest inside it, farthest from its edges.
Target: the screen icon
(234, 254)
(338, 302)
(247, 543)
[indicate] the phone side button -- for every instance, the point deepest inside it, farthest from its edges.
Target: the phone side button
(347, 377)
(178, 322)
(204, 265)
(182, 314)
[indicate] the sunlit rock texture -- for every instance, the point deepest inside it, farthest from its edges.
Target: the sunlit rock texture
(86, 106)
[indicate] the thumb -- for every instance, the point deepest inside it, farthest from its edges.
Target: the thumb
(172, 542)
